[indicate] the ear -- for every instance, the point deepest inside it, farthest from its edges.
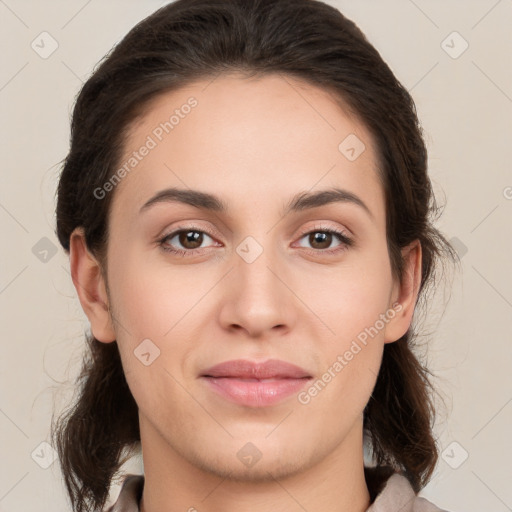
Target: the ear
(90, 287)
(405, 294)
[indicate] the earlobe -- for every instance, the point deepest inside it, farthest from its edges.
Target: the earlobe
(90, 286)
(405, 294)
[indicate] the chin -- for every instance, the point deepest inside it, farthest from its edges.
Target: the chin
(265, 470)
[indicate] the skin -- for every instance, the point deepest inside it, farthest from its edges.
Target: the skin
(244, 142)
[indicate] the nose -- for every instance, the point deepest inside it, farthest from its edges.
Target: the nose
(257, 298)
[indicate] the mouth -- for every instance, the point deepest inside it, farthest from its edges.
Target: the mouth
(246, 369)
(255, 384)
(255, 392)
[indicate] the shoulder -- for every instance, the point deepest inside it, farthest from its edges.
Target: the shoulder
(398, 494)
(129, 495)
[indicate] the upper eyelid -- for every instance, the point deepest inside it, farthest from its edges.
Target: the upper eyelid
(321, 227)
(178, 229)
(212, 232)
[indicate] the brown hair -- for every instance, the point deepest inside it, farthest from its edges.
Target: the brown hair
(189, 40)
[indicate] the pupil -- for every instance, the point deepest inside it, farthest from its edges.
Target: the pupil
(192, 237)
(321, 238)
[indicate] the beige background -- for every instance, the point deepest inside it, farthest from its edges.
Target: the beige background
(465, 104)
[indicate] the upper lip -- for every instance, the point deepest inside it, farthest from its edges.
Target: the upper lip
(243, 368)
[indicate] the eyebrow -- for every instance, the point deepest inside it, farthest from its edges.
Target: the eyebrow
(300, 202)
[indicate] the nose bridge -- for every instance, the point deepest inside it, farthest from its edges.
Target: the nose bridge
(255, 267)
(259, 299)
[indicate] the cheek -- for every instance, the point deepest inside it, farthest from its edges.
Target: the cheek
(150, 298)
(338, 397)
(153, 334)
(340, 300)
(353, 297)
(354, 304)
(159, 312)
(356, 312)
(177, 307)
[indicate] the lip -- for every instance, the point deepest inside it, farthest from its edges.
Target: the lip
(246, 369)
(255, 384)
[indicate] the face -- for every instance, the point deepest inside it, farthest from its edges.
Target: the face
(191, 286)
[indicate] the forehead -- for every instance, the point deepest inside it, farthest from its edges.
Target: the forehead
(256, 140)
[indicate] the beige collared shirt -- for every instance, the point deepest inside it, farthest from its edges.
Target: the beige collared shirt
(396, 496)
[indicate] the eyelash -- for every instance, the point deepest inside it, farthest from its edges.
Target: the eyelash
(346, 241)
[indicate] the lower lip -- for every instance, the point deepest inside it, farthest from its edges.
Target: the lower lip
(254, 393)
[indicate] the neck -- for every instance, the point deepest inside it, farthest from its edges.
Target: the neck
(173, 483)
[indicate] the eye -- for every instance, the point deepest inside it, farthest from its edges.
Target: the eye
(320, 238)
(190, 238)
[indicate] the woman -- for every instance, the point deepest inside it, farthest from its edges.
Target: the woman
(247, 211)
